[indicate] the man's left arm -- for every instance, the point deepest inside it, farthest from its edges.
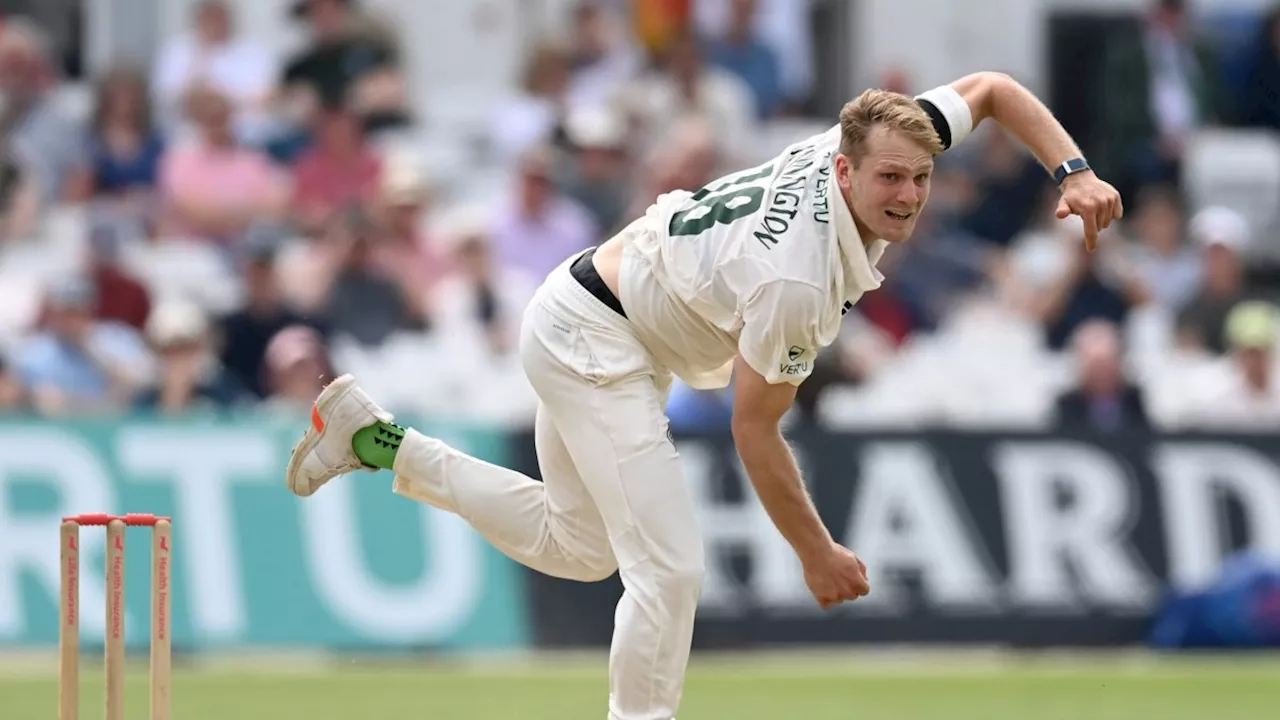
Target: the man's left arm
(1001, 98)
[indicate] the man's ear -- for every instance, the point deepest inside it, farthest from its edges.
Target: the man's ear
(844, 170)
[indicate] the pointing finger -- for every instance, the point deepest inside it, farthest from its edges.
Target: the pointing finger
(1090, 230)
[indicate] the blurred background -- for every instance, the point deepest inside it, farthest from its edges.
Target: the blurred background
(210, 208)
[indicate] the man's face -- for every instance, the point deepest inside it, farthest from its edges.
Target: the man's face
(685, 62)
(889, 187)
(327, 17)
(1223, 271)
(212, 112)
(260, 282)
(19, 66)
(340, 131)
(70, 322)
(742, 15)
(473, 258)
(536, 187)
(601, 164)
(1255, 364)
(1160, 226)
(1100, 372)
(213, 23)
(591, 30)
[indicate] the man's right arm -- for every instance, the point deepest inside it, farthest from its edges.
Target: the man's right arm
(758, 410)
(776, 350)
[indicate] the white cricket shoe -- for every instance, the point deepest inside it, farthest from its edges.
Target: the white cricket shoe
(325, 452)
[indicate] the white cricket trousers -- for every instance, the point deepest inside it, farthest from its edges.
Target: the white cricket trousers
(612, 496)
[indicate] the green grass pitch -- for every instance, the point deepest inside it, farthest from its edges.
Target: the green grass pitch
(750, 687)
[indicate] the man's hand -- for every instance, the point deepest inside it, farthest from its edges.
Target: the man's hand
(1094, 200)
(835, 575)
(1017, 110)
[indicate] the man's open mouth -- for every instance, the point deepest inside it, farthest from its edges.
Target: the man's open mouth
(897, 215)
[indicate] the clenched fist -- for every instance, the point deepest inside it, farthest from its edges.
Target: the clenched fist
(1095, 201)
(835, 575)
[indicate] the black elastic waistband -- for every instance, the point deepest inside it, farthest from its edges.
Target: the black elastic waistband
(584, 271)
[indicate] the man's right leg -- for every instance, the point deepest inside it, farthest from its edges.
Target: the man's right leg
(551, 526)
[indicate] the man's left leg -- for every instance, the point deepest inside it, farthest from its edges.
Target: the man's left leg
(616, 432)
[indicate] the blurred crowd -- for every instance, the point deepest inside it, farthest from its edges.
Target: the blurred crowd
(228, 230)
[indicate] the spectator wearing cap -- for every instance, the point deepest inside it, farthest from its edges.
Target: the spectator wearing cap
(1223, 235)
(77, 364)
(536, 227)
(296, 368)
(339, 169)
(213, 188)
(189, 377)
(1242, 394)
(212, 52)
(245, 333)
(408, 250)
(1103, 399)
(597, 174)
(480, 302)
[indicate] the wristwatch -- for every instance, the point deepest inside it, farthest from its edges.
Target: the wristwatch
(1069, 167)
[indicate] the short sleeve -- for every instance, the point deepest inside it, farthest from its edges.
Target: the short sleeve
(779, 337)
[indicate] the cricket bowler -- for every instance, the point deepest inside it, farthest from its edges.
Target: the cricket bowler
(748, 276)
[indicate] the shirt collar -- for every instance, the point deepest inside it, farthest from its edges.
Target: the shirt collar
(859, 259)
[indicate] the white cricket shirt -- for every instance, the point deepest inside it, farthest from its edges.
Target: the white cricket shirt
(762, 263)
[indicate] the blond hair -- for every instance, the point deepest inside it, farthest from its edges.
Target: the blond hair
(893, 110)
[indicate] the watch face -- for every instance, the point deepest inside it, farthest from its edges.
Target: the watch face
(1069, 167)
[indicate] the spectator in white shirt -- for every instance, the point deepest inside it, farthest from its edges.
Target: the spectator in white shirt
(602, 59)
(686, 86)
(1165, 262)
(1242, 394)
(535, 114)
(478, 303)
(212, 54)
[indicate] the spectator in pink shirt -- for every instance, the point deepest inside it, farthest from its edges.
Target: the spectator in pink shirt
(212, 187)
(340, 169)
(537, 227)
